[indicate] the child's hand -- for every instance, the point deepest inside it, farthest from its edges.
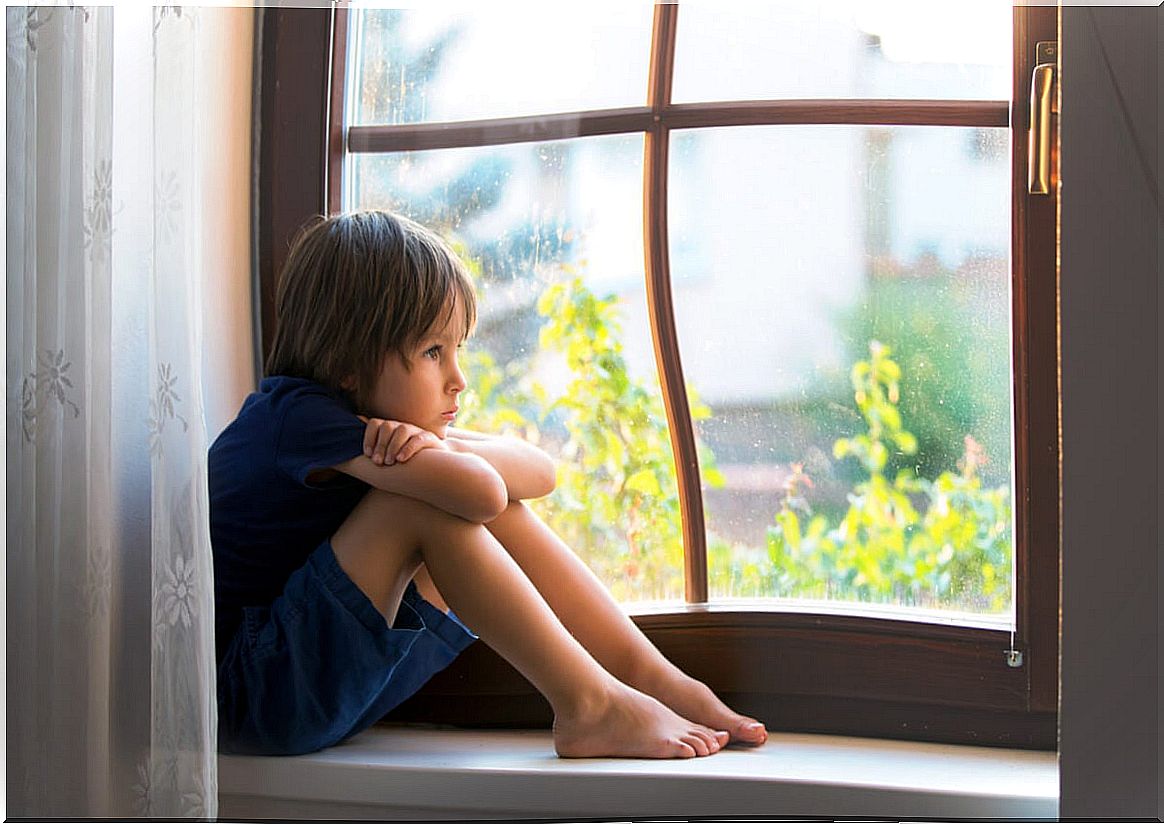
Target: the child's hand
(388, 442)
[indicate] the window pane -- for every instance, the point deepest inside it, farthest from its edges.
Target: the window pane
(843, 49)
(554, 231)
(799, 253)
(418, 65)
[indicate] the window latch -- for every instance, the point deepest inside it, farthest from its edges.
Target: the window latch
(1039, 127)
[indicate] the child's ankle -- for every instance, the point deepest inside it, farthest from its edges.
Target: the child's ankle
(587, 702)
(655, 679)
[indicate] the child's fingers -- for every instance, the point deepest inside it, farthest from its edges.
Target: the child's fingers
(407, 449)
(418, 441)
(400, 436)
(371, 432)
(379, 454)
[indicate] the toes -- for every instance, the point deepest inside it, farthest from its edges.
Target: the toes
(683, 750)
(751, 731)
(715, 738)
(697, 743)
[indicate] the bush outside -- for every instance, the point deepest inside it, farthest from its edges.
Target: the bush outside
(617, 502)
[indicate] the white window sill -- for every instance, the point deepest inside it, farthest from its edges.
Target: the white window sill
(420, 773)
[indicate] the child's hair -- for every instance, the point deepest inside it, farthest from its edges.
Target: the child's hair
(357, 286)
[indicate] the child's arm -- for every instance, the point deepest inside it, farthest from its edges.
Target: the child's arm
(460, 483)
(528, 472)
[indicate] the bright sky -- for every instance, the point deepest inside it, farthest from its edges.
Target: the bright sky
(550, 57)
(939, 32)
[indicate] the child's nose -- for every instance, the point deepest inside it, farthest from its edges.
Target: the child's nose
(457, 380)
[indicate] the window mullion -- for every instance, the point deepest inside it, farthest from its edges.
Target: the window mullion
(535, 128)
(980, 113)
(661, 309)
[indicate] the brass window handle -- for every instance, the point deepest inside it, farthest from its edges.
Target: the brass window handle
(1039, 130)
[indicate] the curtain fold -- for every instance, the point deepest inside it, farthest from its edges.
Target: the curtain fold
(111, 706)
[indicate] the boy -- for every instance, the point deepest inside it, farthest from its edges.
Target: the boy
(346, 510)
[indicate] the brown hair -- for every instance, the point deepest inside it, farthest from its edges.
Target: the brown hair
(357, 286)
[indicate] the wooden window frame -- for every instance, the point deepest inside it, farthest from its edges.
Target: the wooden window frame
(831, 671)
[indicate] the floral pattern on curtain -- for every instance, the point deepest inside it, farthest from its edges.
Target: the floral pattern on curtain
(111, 708)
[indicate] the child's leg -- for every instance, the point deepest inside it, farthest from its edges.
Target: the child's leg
(595, 619)
(428, 589)
(380, 547)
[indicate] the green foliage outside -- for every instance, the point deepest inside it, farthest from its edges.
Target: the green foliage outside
(617, 499)
(617, 496)
(957, 554)
(617, 492)
(949, 334)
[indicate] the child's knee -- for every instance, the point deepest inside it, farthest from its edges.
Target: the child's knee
(515, 518)
(514, 509)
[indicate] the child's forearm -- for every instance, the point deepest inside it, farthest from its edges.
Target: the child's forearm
(461, 484)
(528, 472)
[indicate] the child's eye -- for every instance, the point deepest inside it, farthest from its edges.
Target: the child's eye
(433, 352)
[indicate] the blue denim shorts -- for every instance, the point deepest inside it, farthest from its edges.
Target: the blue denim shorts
(320, 664)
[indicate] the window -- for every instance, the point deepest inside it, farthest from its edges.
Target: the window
(761, 222)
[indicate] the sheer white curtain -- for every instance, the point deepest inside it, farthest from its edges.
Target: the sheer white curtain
(110, 685)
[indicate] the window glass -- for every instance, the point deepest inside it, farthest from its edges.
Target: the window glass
(418, 65)
(843, 49)
(842, 298)
(841, 292)
(553, 232)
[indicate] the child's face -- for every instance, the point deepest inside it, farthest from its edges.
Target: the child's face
(424, 395)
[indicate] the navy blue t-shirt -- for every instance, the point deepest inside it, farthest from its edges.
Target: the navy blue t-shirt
(265, 518)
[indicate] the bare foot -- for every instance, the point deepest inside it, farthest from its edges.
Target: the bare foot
(627, 723)
(694, 699)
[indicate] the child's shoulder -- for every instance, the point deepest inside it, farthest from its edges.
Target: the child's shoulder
(288, 416)
(281, 388)
(279, 391)
(279, 397)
